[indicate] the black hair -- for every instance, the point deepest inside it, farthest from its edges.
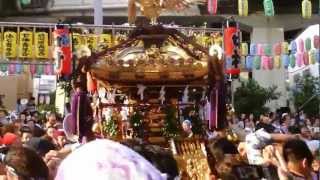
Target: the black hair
(297, 150)
(159, 157)
(220, 148)
(26, 163)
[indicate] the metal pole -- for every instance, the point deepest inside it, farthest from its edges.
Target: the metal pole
(98, 15)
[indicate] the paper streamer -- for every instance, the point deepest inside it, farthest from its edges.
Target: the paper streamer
(306, 58)
(292, 60)
(253, 49)
(249, 62)
(306, 9)
(299, 59)
(19, 68)
(243, 7)
(293, 47)
(32, 69)
(244, 49)
(285, 48)
(268, 8)
(212, 6)
(316, 41)
(307, 44)
(312, 57)
(301, 45)
(257, 62)
(285, 61)
(277, 49)
(267, 50)
(26, 68)
(3, 67)
(39, 69)
(12, 69)
(260, 50)
(277, 62)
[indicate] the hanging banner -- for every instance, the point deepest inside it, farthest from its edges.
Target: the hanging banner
(106, 40)
(92, 42)
(243, 7)
(25, 44)
(41, 45)
(10, 44)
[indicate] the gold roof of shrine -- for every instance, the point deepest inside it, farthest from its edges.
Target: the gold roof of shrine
(150, 55)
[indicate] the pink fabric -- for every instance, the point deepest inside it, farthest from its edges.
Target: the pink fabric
(316, 42)
(106, 160)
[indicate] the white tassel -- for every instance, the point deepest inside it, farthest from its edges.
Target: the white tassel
(162, 97)
(185, 98)
(141, 89)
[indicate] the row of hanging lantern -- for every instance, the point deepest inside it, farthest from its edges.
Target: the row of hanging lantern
(243, 7)
(33, 69)
(251, 62)
(266, 56)
(299, 46)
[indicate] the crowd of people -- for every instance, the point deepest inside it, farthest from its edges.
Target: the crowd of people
(272, 146)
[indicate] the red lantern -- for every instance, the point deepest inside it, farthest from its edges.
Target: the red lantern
(231, 37)
(233, 71)
(63, 51)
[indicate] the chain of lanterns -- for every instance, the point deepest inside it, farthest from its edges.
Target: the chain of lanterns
(267, 57)
(14, 68)
(243, 7)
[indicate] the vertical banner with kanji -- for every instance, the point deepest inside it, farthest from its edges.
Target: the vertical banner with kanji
(106, 40)
(10, 44)
(76, 40)
(92, 42)
(41, 45)
(25, 44)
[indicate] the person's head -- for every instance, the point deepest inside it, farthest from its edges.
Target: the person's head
(272, 115)
(251, 117)
(243, 116)
(52, 119)
(159, 157)
(61, 139)
(40, 145)
(187, 126)
(31, 124)
(23, 117)
(308, 122)
(26, 134)
(51, 132)
(297, 155)
(224, 153)
(266, 120)
(306, 133)
(24, 163)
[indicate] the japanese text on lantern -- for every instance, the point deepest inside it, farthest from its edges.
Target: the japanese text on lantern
(92, 42)
(25, 44)
(10, 44)
(41, 44)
